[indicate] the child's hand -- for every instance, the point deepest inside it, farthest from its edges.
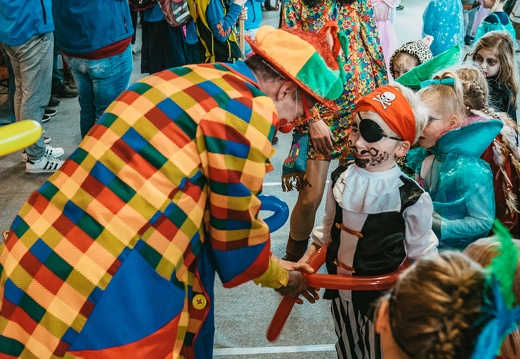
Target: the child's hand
(436, 222)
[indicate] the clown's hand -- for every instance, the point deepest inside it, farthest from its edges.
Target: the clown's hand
(298, 286)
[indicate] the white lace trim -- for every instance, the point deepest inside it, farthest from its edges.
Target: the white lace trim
(369, 192)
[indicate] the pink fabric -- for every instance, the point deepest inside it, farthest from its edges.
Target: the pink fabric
(388, 39)
(481, 15)
(384, 12)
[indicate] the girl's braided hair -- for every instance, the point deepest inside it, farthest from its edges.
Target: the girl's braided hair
(435, 305)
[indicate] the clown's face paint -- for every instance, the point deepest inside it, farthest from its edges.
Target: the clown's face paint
(375, 156)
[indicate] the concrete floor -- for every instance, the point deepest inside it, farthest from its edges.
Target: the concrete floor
(243, 313)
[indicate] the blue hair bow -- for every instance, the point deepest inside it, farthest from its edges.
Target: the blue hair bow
(503, 321)
(500, 298)
(446, 81)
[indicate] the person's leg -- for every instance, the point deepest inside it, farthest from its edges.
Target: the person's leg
(304, 212)
(109, 81)
(349, 344)
(133, 15)
(371, 340)
(178, 46)
(87, 110)
(59, 87)
(32, 66)
(11, 89)
(57, 78)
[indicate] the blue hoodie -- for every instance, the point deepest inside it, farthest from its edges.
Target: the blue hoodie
(21, 20)
(89, 25)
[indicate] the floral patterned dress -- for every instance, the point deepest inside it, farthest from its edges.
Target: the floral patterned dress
(363, 61)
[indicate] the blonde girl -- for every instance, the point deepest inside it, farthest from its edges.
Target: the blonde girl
(449, 166)
(502, 155)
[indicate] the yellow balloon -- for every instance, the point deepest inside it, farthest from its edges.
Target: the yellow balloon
(16, 136)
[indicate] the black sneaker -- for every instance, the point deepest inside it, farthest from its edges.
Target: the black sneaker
(400, 7)
(45, 118)
(50, 112)
(63, 90)
(53, 102)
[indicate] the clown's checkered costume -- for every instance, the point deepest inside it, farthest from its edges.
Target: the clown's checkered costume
(116, 252)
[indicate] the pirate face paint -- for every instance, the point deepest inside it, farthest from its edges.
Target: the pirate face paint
(372, 132)
(373, 149)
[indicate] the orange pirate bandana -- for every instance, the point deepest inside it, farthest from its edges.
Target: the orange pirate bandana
(392, 106)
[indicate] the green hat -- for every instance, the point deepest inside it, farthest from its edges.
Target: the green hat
(298, 56)
(425, 71)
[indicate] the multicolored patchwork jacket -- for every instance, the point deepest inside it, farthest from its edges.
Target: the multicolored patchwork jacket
(115, 255)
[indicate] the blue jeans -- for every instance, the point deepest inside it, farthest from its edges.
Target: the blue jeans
(57, 78)
(99, 82)
(32, 69)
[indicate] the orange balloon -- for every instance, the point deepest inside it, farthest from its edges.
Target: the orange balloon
(287, 303)
(330, 281)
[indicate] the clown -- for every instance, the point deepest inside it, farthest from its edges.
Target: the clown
(116, 254)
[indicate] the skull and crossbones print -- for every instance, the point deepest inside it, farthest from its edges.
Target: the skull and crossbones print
(385, 99)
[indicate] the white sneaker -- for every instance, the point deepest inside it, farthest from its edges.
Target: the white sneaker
(43, 165)
(50, 151)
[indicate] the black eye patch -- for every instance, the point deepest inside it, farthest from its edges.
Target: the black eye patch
(370, 130)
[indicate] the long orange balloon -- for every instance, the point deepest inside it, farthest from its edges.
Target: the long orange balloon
(287, 303)
(329, 281)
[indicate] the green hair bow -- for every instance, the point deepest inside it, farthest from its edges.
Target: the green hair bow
(447, 81)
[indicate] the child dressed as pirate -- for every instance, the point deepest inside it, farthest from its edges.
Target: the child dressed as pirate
(375, 215)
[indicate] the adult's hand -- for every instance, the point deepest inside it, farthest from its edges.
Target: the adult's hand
(297, 285)
(321, 137)
(243, 14)
(239, 2)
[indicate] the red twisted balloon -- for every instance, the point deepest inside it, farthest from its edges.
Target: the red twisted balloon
(329, 281)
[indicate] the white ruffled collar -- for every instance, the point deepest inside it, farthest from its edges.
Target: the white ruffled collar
(369, 192)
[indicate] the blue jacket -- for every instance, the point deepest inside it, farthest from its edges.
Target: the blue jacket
(460, 183)
(89, 25)
(254, 14)
(21, 20)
